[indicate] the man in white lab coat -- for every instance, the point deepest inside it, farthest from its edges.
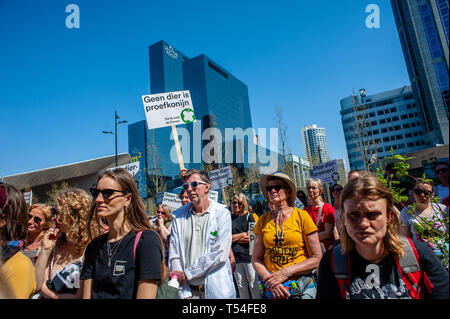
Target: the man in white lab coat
(200, 243)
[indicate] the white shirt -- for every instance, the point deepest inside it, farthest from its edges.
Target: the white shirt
(214, 265)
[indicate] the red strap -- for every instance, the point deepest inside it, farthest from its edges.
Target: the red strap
(136, 241)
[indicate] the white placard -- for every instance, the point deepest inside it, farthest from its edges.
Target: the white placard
(28, 196)
(326, 172)
(167, 109)
(221, 177)
(132, 168)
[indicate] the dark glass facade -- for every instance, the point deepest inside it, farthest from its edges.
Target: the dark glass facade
(220, 100)
(423, 31)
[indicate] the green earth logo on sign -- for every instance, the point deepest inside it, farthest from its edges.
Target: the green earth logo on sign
(188, 116)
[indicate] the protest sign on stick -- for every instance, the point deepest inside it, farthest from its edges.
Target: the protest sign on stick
(169, 109)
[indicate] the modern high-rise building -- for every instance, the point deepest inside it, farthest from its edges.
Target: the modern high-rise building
(315, 144)
(423, 31)
(374, 124)
(220, 100)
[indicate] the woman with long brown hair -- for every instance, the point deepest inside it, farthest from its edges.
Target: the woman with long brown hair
(373, 261)
(17, 269)
(126, 262)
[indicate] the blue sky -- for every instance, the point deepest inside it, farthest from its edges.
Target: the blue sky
(59, 87)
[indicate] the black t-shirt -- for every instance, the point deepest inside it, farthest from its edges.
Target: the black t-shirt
(239, 224)
(120, 280)
(364, 276)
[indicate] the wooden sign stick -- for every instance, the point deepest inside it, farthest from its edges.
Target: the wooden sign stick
(177, 145)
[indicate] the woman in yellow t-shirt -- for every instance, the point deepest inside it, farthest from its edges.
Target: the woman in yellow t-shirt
(17, 269)
(287, 244)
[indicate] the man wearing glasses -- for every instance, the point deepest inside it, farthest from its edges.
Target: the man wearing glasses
(200, 243)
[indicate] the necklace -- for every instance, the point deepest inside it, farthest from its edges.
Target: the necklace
(112, 251)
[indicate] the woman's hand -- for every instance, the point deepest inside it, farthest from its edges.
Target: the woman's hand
(280, 292)
(276, 278)
(50, 238)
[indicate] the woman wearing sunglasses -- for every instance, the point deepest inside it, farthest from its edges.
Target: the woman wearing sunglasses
(425, 209)
(286, 248)
(59, 263)
(127, 262)
(39, 221)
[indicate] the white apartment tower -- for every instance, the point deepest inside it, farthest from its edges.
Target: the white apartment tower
(315, 144)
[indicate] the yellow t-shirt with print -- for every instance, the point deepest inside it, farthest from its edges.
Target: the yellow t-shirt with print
(291, 246)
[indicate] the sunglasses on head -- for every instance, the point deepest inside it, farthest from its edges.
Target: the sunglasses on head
(419, 191)
(193, 184)
(106, 193)
(35, 218)
(276, 187)
(441, 170)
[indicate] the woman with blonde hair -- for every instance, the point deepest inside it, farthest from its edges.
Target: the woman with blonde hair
(39, 221)
(127, 262)
(244, 273)
(58, 266)
(163, 223)
(322, 214)
(373, 261)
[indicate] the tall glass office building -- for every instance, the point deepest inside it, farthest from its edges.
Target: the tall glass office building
(220, 100)
(423, 31)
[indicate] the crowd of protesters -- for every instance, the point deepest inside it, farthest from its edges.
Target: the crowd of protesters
(293, 245)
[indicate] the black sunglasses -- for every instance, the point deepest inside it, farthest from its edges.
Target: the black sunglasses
(441, 170)
(236, 203)
(193, 184)
(106, 193)
(276, 187)
(419, 191)
(35, 218)
(336, 189)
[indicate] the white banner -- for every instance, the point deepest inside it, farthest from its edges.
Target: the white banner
(221, 177)
(132, 168)
(326, 172)
(167, 109)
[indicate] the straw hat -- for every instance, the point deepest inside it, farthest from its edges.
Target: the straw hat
(263, 183)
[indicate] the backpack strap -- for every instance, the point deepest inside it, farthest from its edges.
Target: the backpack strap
(340, 266)
(136, 242)
(410, 270)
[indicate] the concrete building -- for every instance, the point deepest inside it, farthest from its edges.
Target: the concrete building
(82, 175)
(374, 124)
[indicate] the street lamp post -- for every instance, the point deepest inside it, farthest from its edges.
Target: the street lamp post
(116, 117)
